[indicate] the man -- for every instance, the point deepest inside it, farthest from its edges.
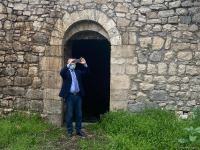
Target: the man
(72, 91)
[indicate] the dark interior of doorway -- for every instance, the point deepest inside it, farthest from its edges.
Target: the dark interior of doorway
(97, 83)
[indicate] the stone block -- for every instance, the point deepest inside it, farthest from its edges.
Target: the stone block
(151, 69)
(146, 86)
(156, 56)
(36, 105)
(22, 81)
(5, 82)
(51, 94)
(2, 9)
(122, 22)
(118, 69)
(196, 18)
(132, 38)
(118, 95)
(162, 68)
(141, 68)
(158, 43)
(158, 7)
(184, 55)
(192, 70)
(40, 38)
(121, 8)
(52, 79)
(174, 4)
(14, 91)
(22, 72)
(120, 82)
(31, 58)
(51, 63)
(145, 41)
(181, 11)
(166, 13)
(158, 95)
(172, 69)
(20, 6)
(35, 94)
(118, 105)
(131, 69)
(122, 51)
(185, 19)
(33, 71)
(21, 104)
(142, 57)
(142, 106)
(146, 2)
(53, 106)
(180, 46)
(38, 49)
(54, 50)
(10, 71)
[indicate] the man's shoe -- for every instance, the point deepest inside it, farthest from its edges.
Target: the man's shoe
(69, 135)
(81, 134)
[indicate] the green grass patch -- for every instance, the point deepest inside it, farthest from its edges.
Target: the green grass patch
(149, 130)
(21, 132)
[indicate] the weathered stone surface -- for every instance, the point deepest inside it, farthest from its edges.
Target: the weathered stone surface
(20, 6)
(22, 72)
(146, 2)
(142, 57)
(120, 82)
(2, 9)
(40, 38)
(141, 106)
(5, 82)
(185, 19)
(192, 70)
(145, 41)
(156, 56)
(158, 95)
(196, 18)
(146, 86)
(34, 94)
(123, 51)
(174, 4)
(31, 58)
(162, 68)
(131, 69)
(14, 91)
(52, 107)
(166, 13)
(118, 69)
(184, 55)
(22, 81)
(36, 105)
(151, 69)
(158, 43)
(10, 71)
(121, 8)
(121, 22)
(132, 38)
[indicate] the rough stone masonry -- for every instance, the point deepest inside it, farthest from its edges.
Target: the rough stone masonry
(155, 51)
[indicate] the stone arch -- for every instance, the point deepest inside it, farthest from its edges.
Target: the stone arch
(52, 62)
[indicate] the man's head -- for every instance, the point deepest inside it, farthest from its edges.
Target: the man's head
(72, 63)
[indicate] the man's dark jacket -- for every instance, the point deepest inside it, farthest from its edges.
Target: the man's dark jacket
(67, 81)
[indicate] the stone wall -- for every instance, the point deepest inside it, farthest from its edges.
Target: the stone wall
(157, 58)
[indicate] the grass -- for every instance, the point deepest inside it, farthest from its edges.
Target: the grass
(150, 130)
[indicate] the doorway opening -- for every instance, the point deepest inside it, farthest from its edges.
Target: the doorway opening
(95, 48)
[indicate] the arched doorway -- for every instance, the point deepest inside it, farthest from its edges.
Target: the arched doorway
(95, 48)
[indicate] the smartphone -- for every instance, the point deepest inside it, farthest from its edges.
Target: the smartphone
(77, 60)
